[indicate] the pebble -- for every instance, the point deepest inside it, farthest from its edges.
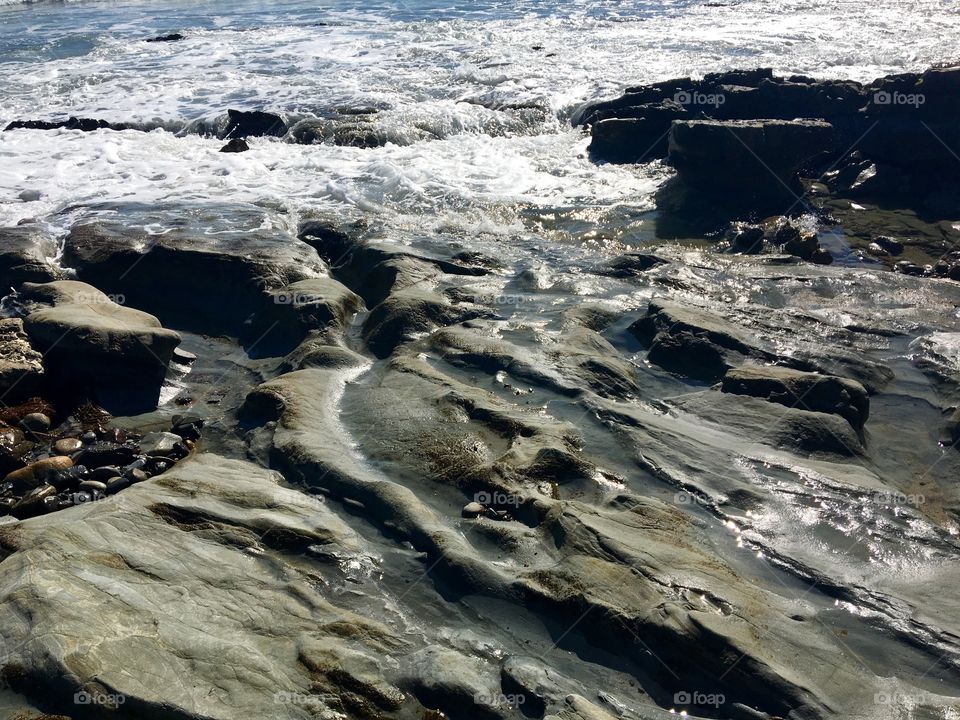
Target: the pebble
(104, 452)
(105, 473)
(36, 472)
(137, 475)
(93, 485)
(36, 422)
(88, 437)
(67, 479)
(116, 484)
(472, 510)
(159, 443)
(32, 503)
(66, 446)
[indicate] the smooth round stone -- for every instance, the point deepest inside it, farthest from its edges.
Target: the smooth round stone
(117, 484)
(66, 446)
(36, 472)
(159, 443)
(137, 475)
(36, 422)
(93, 486)
(88, 437)
(472, 510)
(105, 473)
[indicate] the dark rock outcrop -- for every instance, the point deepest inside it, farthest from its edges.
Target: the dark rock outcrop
(804, 390)
(237, 145)
(171, 37)
(95, 348)
(750, 164)
(23, 256)
(253, 123)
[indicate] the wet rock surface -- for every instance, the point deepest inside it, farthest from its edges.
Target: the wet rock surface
(401, 479)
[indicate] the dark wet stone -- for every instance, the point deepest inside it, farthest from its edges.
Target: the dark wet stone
(105, 473)
(6, 505)
(83, 124)
(748, 163)
(745, 238)
(889, 245)
(635, 139)
(116, 484)
(68, 479)
(102, 453)
(237, 145)
(172, 37)
(629, 265)
(23, 255)
(36, 422)
(187, 427)
(688, 354)
(254, 123)
(32, 503)
(93, 486)
(821, 257)
(137, 475)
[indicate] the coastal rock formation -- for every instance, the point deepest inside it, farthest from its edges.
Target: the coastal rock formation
(745, 138)
(23, 256)
(93, 346)
(185, 276)
(21, 367)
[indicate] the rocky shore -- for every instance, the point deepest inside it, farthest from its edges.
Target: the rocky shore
(256, 471)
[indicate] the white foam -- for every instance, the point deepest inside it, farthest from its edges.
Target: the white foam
(477, 102)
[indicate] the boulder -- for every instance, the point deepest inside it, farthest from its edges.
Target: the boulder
(629, 265)
(94, 347)
(23, 256)
(237, 145)
(205, 274)
(254, 123)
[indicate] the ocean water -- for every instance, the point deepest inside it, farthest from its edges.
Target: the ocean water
(475, 98)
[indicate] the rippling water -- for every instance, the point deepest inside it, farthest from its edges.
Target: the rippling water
(476, 99)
